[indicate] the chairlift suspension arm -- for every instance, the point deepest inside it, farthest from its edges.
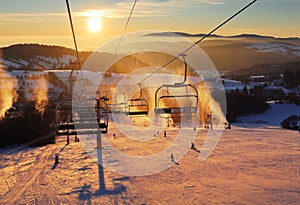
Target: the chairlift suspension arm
(124, 98)
(185, 69)
(141, 93)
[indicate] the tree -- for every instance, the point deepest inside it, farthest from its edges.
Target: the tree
(54, 66)
(245, 90)
(237, 90)
(297, 77)
(240, 103)
(288, 78)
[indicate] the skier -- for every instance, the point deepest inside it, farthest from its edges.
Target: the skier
(172, 157)
(194, 148)
(193, 145)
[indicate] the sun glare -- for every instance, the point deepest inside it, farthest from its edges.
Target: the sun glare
(94, 24)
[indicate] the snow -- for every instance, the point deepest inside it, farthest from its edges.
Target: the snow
(49, 61)
(272, 117)
(280, 48)
(257, 76)
(66, 59)
(230, 85)
(21, 61)
(60, 73)
(252, 164)
(45, 65)
(24, 72)
(256, 162)
(38, 62)
(285, 90)
(8, 63)
(244, 169)
(296, 53)
(230, 81)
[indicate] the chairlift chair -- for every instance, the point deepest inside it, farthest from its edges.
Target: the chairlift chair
(102, 115)
(137, 106)
(162, 94)
(103, 95)
(91, 115)
(65, 125)
(118, 108)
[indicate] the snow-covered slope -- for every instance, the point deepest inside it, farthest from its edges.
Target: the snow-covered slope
(37, 62)
(230, 85)
(36, 57)
(272, 117)
(249, 166)
(275, 47)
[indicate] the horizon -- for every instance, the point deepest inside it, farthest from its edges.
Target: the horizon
(47, 22)
(189, 36)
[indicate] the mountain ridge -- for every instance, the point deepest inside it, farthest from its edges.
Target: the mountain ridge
(245, 35)
(239, 52)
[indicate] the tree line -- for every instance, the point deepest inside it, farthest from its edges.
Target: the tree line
(28, 127)
(244, 102)
(291, 79)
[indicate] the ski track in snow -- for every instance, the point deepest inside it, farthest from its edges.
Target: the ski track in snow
(249, 166)
(33, 179)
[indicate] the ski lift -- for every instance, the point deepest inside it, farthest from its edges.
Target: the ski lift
(167, 97)
(102, 115)
(103, 95)
(92, 116)
(118, 108)
(65, 124)
(137, 106)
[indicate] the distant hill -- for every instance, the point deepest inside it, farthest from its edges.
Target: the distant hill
(38, 57)
(237, 55)
(245, 53)
(32, 50)
(265, 69)
(170, 34)
(219, 36)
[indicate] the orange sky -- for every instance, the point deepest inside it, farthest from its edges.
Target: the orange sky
(46, 22)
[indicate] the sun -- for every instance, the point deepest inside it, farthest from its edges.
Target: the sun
(94, 24)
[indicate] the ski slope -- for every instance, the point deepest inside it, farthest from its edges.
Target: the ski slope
(273, 116)
(249, 166)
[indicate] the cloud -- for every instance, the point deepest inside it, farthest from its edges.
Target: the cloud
(154, 8)
(120, 9)
(31, 17)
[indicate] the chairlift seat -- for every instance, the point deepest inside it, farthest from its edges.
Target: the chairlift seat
(137, 106)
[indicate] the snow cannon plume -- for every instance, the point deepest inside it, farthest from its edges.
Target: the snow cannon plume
(209, 106)
(213, 111)
(40, 92)
(8, 94)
